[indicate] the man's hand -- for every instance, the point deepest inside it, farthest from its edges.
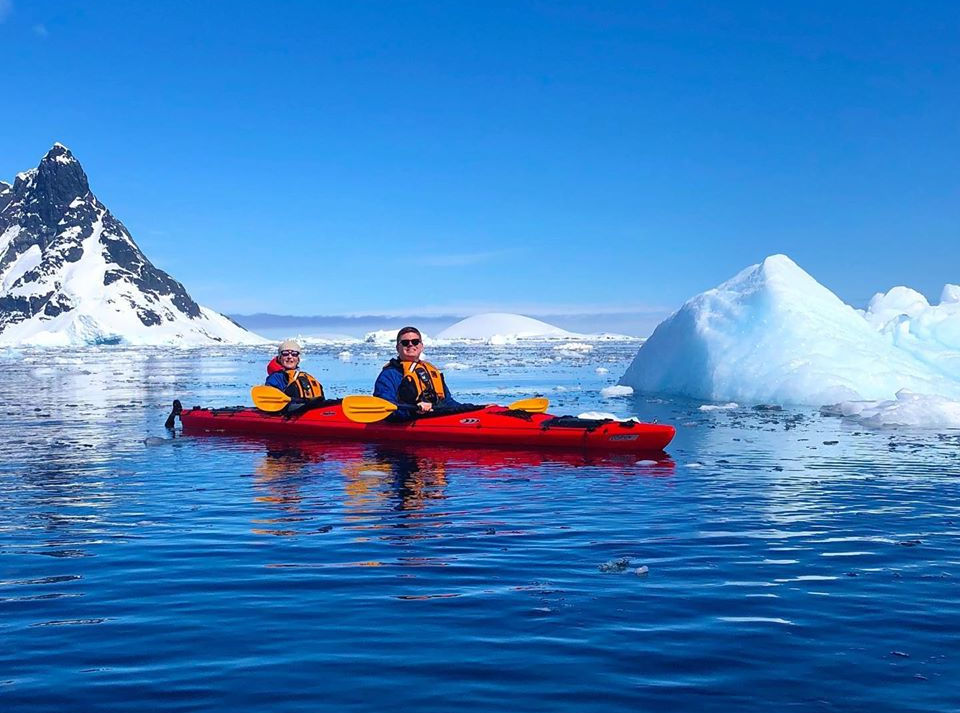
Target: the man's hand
(424, 406)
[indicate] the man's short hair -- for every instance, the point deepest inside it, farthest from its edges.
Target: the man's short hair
(408, 329)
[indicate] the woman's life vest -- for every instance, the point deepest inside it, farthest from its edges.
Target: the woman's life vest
(300, 385)
(422, 381)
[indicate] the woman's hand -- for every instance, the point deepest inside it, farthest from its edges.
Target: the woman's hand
(424, 406)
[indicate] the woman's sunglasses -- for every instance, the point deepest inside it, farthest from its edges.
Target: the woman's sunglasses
(287, 352)
(410, 342)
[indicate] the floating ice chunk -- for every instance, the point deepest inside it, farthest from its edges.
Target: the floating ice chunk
(646, 462)
(345, 355)
(612, 392)
(773, 334)
(455, 366)
(720, 407)
(578, 347)
(602, 370)
(908, 409)
(618, 565)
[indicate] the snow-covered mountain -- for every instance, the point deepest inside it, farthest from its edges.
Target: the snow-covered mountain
(503, 326)
(71, 274)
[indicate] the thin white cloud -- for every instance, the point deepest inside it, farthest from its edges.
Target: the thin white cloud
(6, 6)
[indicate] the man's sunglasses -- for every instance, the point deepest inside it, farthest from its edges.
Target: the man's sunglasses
(410, 342)
(287, 352)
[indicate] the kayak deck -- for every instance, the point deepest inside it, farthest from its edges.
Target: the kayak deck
(486, 425)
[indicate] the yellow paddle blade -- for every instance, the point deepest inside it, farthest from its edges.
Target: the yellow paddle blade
(267, 398)
(534, 405)
(367, 409)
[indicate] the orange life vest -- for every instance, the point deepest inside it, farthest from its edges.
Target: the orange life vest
(426, 379)
(301, 385)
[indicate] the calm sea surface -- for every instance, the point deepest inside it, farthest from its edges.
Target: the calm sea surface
(777, 560)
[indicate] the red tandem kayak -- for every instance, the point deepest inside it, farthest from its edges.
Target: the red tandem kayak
(488, 425)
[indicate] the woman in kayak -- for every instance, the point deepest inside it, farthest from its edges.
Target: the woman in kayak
(283, 373)
(414, 385)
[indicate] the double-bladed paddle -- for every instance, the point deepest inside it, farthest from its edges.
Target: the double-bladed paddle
(269, 398)
(370, 409)
(367, 409)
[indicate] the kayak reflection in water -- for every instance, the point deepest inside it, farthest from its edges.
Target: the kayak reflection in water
(410, 478)
(415, 386)
(283, 373)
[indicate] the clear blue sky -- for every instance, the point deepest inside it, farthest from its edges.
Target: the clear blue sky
(321, 158)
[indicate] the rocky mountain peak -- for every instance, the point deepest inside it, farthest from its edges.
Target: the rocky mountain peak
(69, 270)
(55, 183)
(6, 194)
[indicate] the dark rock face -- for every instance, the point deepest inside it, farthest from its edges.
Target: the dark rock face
(51, 209)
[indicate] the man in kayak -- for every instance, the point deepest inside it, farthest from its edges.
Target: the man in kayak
(283, 373)
(414, 385)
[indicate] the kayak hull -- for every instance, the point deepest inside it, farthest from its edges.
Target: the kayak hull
(490, 425)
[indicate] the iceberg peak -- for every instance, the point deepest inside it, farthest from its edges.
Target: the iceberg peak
(950, 294)
(773, 334)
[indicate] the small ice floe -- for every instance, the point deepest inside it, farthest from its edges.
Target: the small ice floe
(612, 392)
(602, 370)
(720, 407)
(646, 462)
(574, 347)
(622, 564)
(694, 465)
(455, 366)
(909, 409)
(154, 441)
(618, 565)
(344, 355)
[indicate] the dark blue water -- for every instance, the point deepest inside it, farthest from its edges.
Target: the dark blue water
(777, 559)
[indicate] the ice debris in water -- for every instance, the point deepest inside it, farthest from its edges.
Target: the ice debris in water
(574, 347)
(908, 409)
(622, 564)
(646, 462)
(720, 407)
(618, 565)
(612, 392)
(773, 334)
(602, 370)
(344, 355)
